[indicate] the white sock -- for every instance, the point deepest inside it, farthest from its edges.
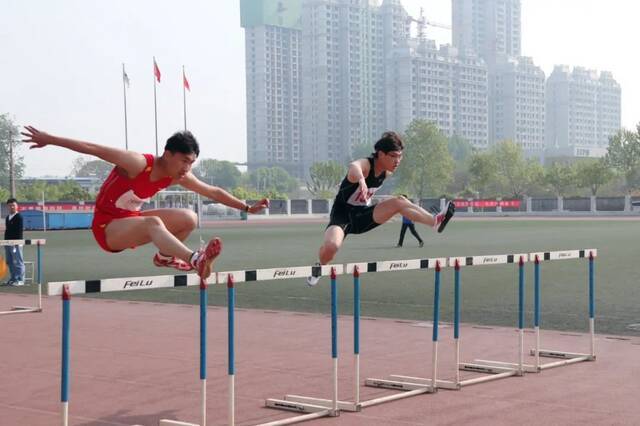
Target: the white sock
(193, 258)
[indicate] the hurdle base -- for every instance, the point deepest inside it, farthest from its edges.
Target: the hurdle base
(21, 310)
(485, 368)
(566, 358)
(527, 368)
(299, 407)
(494, 373)
(302, 418)
(166, 422)
(409, 389)
(561, 355)
(397, 385)
(326, 403)
(440, 384)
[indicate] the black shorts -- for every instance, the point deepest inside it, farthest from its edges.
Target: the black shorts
(352, 220)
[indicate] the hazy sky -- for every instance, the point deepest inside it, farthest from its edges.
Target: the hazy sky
(60, 65)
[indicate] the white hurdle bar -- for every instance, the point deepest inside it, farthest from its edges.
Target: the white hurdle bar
(495, 369)
(32, 242)
(565, 357)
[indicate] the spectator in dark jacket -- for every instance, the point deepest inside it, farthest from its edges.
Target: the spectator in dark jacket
(406, 223)
(14, 231)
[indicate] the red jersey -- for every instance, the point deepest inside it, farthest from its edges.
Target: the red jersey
(121, 196)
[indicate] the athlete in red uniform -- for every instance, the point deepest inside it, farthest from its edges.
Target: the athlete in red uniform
(118, 221)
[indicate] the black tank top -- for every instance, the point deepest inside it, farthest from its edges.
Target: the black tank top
(348, 192)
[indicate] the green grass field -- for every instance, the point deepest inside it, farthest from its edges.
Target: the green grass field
(489, 293)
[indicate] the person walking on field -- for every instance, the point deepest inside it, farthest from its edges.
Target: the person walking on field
(353, 212)
(407, 223)
(118, 222)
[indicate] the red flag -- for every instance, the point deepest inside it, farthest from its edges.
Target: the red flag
(185, 81)
(156, 70)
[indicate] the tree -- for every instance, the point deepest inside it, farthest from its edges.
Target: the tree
(245, 193)
(460, 149)
(272, 180)
(71, 191)
(623, 154)
(9, 145)
(427, 167)
(4, 194)
(89, 167)
(325, 177)
(560, 177)
(516, 175)
(33, 191)
(220, 173)
(482, 168)
(593, 173)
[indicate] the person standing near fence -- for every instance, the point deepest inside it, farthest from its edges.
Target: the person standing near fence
(14, 229)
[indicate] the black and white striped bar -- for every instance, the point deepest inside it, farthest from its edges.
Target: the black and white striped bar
(563, 254)
(123, 284)
(396, 265)
(494, 259)
(283, 273)
(40, 242)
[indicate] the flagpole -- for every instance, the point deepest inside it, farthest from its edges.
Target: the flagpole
(155, 105)
(184, 98)
(124, 89)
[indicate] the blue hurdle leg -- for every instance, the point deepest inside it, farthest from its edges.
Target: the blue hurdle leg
(64, 386)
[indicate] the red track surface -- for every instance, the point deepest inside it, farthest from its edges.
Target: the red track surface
(134, 363)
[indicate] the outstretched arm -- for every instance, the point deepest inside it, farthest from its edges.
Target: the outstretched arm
(194, 184)
(131, 162)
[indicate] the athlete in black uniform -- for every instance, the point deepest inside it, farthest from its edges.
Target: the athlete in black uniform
(352, 211)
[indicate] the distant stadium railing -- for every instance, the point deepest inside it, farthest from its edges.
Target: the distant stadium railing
(74, 215)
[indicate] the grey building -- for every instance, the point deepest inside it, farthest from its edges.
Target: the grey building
(583, 111)
(273, 83)
(489, 27)
(343, 67)
(492, 29)
(517, 104)
(439, 85)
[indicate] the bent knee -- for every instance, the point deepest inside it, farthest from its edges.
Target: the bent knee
(330, 248)
(190, 220)
(400, 201)
(153, 221)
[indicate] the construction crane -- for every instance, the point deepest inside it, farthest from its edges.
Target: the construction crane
(422, 22)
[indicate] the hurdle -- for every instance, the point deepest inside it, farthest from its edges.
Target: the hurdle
(495, 369)
(316, 411)
(282, 273)
(412, 388)
(409, 385)
(67, 288)
(566, 358)
(38, 243)
(315, 407)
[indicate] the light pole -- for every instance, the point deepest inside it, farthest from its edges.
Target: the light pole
(12, 181)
